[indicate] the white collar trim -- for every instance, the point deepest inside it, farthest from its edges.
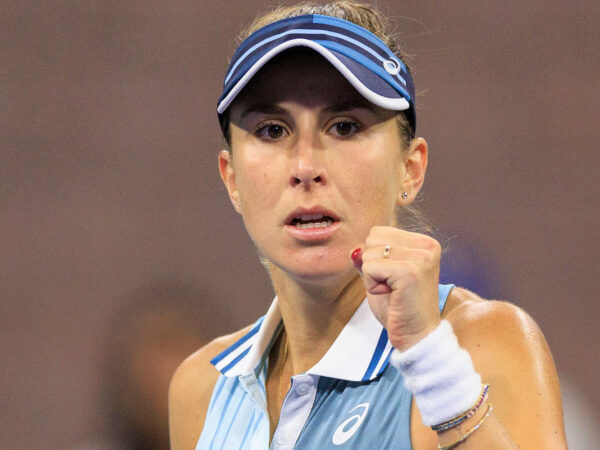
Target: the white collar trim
(359, 353)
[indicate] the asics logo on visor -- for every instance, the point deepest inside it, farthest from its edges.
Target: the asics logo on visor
(366, 62)
(392, 66)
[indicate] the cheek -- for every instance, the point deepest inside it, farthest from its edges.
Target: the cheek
(252, 175)
(369, 182)
(259, 185)
(254, 190)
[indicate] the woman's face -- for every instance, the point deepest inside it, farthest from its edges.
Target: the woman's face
(313, 166)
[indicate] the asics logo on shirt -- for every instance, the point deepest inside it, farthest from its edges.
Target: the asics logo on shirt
(341, 434)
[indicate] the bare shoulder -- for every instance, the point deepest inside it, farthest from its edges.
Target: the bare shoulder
(499, 335)
(464, 307)
(510, 352)
(496, 323)
(191, 389)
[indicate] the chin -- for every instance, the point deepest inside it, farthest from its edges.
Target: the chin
(319, 271)
(319, 276)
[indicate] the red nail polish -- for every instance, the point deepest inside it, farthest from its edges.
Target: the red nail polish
(356, 254)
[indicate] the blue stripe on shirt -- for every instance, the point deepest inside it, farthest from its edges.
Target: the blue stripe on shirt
(247, 433)
(215, 397)
(261, 382)
(386, 361)
(223, 412)
(225, 369)
(237, 408)
(250, 333)
(383, 338)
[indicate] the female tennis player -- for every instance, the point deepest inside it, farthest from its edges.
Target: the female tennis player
(361, 348)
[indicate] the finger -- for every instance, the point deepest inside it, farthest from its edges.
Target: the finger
(379, 235)
(394, 237)
(377, 289)
(380, 289)
(356, 257)
(391, 273)
(396, 253)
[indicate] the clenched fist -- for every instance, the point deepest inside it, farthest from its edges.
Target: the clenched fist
(400, 271)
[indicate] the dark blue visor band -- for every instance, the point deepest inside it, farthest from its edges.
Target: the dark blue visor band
(361, 57)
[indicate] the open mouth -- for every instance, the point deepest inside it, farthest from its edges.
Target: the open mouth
(306, 221)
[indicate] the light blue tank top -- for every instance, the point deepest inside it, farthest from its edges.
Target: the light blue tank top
(351, 399)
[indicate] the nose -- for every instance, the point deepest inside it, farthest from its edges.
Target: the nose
(307, 169)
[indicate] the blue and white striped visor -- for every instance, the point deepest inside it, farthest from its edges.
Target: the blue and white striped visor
(360, 56)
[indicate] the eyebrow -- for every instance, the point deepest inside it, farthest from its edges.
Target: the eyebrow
(264, 109)
(349, 106)
(267, 108)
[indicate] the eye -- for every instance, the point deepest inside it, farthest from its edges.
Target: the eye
(271, 131)
(345, 128)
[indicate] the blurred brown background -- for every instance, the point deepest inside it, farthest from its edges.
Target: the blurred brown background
(108, 180)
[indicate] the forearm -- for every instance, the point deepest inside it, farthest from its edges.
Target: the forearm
(483, 430)
(525, 408)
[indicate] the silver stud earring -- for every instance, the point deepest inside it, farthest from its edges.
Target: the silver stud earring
(405, 195)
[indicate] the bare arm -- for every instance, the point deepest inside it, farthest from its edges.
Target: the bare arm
(189, 396)
(511, 354)
(400, 271)
(190, 393)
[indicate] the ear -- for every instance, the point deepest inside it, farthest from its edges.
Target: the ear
(414, 174)
(228, 177)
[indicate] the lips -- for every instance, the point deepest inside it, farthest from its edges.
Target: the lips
(312, 221)
(315, 217)
(312, 225)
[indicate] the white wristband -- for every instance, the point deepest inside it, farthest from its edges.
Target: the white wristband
(439, 374)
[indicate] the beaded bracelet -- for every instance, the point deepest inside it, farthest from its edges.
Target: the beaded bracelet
(468, 433)
(460, 419)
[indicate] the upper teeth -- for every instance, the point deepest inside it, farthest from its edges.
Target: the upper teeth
(307, 217)
(324, 223)
(312, 221)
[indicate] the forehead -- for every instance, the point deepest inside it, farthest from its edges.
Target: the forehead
(299, 75)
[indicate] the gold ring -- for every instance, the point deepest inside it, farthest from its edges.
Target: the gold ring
(386, 251)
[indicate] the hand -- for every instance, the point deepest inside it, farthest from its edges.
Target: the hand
(402, 288)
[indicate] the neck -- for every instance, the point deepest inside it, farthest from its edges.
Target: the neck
(314, 315)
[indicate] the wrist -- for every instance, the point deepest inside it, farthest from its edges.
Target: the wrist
(439, 374)
(406, 343)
